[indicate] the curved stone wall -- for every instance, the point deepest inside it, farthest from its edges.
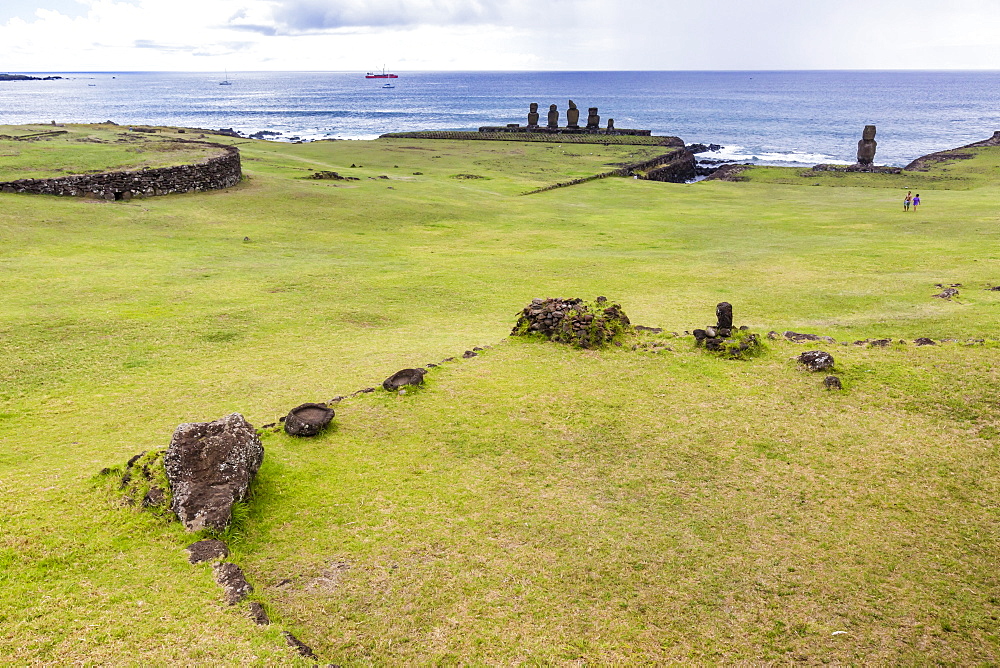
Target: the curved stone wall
(221, 171)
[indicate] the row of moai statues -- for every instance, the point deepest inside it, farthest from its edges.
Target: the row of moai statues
(572, 118)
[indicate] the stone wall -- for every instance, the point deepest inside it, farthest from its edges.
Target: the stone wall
(677, 166)
(213, 173)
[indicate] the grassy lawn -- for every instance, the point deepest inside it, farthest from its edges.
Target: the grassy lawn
(535, 504)
(33, 152)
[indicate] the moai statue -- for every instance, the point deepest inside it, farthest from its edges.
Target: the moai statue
(533, 115)
(866, 147)
(593, 120)
(573, 116)
(611, 125)
(553, 116)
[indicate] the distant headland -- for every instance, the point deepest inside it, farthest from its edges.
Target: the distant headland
(25, 77)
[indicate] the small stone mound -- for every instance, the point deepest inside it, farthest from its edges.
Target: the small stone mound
(832, 383)
(947, 293)
(466, 177)
(724, 339)
(924, 341)
(144, 482)
(308, 419)
(234, 584)
(816, 360)
(207, 550)
(402, 378)
(574, 321)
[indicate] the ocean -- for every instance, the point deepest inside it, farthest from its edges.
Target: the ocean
(793, 118)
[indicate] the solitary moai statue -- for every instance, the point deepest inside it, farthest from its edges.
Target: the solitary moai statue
(533, 115)
(866, 147)
(593, 120)
(611, 125)
(553, 116)
(573, 116)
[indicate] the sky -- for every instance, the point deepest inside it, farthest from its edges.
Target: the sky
(422, 35)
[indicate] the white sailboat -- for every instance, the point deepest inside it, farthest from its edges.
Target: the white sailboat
(226, 81)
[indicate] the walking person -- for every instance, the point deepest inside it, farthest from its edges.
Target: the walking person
(916, 202)
(906, 201)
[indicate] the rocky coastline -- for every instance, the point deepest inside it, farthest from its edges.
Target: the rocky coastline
(25, 77)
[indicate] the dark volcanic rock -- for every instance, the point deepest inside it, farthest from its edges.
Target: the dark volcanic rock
(947, 293)
(308, 419)
(210, 466)
(832, 383)
(234, 584)
(207, 550)
(816, 360)
(404, 377)
(258, 614)
(299, 646)
(924, 341)
(724, 312)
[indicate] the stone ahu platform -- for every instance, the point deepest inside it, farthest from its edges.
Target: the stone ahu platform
(590, 133)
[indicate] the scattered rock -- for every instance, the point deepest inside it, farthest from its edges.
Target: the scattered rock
(880, 343)
(832, 383)
(402, 378)
(947, 293)
(308, 419)
(210, 466)
(651, 330)
(299, 646)
(234, 584)
(207, 550)
(327, 176)
(258, 614)
(154, 498)
(798, 338)
(816, 360)
(466, 176)
(468, 353)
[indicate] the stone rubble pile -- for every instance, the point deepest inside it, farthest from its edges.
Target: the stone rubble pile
(573, 321)
(718, 338)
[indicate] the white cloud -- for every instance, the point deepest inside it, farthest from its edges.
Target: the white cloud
(503, 34)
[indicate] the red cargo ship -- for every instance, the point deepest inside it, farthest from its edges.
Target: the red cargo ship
(383, 75)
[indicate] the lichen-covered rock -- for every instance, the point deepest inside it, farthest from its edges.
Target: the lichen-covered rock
(816, 360)
(234, 584)
(832, 383)
(308, 419)
(210, 466)
(207, 550)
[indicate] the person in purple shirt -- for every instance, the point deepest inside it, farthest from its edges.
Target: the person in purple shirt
(916, 201)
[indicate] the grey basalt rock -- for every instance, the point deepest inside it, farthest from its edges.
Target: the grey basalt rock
(210, 466)
(816, 360)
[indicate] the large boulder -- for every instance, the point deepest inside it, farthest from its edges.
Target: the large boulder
(210, 466)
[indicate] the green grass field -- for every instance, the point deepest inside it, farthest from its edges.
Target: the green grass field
(34, 152)
(536, 504)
